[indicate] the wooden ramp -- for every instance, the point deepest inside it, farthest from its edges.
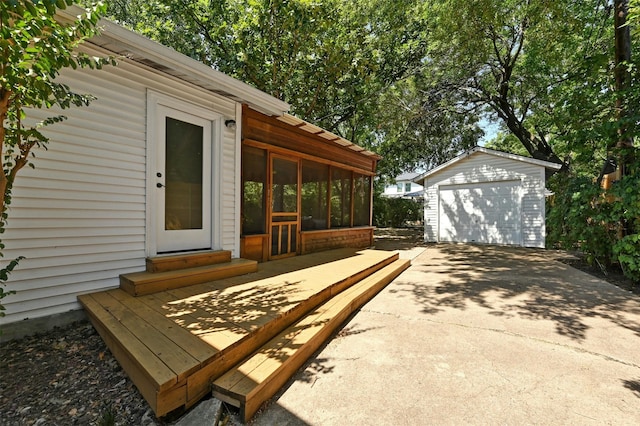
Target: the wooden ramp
(250, 332)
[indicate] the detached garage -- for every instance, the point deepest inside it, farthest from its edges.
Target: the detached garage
(486, 196)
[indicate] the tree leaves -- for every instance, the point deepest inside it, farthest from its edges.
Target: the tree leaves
(332, 60)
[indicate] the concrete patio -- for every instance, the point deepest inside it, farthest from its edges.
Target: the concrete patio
(476, 335)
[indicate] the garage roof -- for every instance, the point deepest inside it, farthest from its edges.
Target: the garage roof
(542, 163)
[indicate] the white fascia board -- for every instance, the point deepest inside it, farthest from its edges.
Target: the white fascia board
(545, 164)
(138, 45)
(542, 163)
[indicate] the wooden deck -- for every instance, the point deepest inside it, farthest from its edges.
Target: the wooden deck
(174, 344)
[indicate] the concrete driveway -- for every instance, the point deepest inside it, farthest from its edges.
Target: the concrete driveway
(477, 335)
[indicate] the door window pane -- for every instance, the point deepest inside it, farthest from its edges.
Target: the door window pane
(183, 175)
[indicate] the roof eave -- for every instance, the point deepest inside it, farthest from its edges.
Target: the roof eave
(541, 163)
(138, 48)
(327, 135)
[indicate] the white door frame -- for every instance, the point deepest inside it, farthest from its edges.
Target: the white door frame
(157, 105)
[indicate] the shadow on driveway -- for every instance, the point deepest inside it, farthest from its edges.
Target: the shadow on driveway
(520, 282)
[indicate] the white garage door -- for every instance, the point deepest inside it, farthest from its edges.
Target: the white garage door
(481, 212)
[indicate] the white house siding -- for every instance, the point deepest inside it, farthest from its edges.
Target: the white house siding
(481, 167)
(79, 218)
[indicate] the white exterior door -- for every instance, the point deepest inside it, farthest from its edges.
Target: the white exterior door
(183, 181)
(488, 212)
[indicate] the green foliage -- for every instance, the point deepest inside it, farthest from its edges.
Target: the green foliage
(396, 212)
(421, 127)
(521, 63)
(585, 217)
(108, 415)
(4, 277)
(335, 61)
(507, 142)
(35, 46)
(575, 220)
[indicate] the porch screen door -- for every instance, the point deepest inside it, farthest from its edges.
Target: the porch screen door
(183, 181)
(285, 213)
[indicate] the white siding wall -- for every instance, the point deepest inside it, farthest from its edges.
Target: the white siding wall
(392, 190)
(481, 167)
(79, 217)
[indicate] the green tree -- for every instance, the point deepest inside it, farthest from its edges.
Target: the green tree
(35, 45)
(331, 60)
(421, 126)
(515, 59)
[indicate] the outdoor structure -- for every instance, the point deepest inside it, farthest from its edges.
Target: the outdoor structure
(404, 187)
(172, 157)
(486, 196)
(152, 208)
(304, 189)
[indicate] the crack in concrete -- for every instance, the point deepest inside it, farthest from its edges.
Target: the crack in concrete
(513, 334)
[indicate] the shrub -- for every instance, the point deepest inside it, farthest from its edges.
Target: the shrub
(396, 212)
(604, 225)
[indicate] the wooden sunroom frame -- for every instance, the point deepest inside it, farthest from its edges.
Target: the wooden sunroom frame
(293, 139)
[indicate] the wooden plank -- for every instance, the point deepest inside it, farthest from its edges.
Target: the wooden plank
(260, 376)
(254, 247)
(184, 261)
(190, 320)
(141, 283)
(313, 241)
(279, 134)
(163, 352)
(113, 335)
(180, 336)
(171, 399)
(192, 273)
(258, 310)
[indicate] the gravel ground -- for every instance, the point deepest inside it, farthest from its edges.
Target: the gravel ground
(67, 376)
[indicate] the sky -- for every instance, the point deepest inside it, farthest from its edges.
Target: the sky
(490, 130)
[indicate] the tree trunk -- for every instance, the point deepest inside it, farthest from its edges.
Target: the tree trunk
(622, 79)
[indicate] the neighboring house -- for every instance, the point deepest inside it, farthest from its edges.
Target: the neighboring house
(404, 187)
(172, 156)
(486, 196)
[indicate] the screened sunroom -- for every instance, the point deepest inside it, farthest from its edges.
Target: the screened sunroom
(303, 189)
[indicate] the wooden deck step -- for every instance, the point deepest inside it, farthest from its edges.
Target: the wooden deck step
(187, 260)
(256, 379)
(173, 344)
(159, 364)
(141, 283)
